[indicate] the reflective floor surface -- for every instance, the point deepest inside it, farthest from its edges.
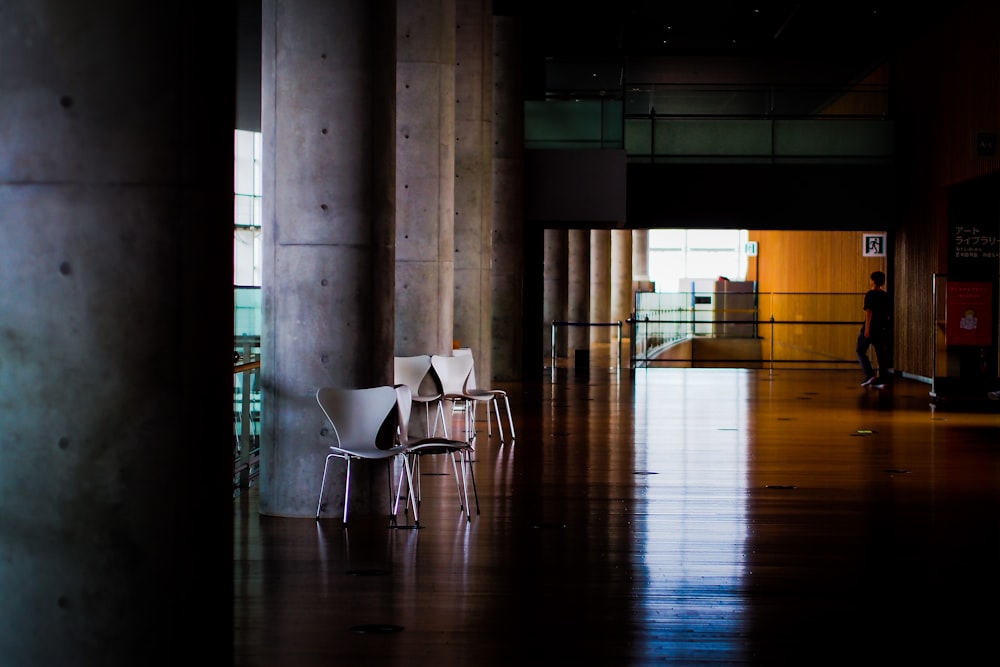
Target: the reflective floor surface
(659, 517)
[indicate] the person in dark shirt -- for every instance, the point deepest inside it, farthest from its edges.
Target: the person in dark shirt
(875, 331)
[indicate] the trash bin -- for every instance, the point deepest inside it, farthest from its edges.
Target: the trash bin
(581, 363)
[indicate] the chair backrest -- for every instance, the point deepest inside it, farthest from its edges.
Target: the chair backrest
(467, 351)
(415, 372)
(360, 416)
(404, 404)
(452, 371)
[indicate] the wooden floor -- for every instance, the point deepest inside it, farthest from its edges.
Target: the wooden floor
(660, 517)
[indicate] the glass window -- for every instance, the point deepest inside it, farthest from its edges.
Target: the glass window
(247, 210)
(679, 256)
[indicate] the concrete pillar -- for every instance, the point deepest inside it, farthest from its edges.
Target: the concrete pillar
(621, 276)
(578, 288)
(554, 286)
(327, 260)
(116, 193)
(508, 203)
(640, 258)
(474, 180)
(640, 282)
(425, 176)
(600, 284)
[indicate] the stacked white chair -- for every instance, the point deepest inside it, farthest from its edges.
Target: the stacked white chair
(453, 372)
(458, 452)
(477, 395)
(416, 373)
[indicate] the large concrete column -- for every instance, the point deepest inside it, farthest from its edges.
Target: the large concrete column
(578, 288)
(327, 261)
(640, 279)
(640, 257)
(474, 180)
(425, 176)
(600, 284)
(116, 203)
(621, 275)
(508, 206)
(554, 285)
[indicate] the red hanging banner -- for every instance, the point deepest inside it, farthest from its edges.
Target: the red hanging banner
(970, 313)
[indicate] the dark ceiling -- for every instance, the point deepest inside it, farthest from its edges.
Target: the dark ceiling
(703, 40)
(563, 28)
(758, 42)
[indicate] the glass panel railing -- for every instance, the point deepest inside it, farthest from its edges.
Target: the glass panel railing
(246, 410)
(698, 137)
(247, 321)
(830, 137)
(740, 140)
(247, 313)
(800, 330)
(720, 123)
(755, 100)
(573, 124)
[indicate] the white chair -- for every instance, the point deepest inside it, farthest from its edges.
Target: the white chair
(453, 372)
(457, 451)
(358, 418)
(486, 397)
(416, 373)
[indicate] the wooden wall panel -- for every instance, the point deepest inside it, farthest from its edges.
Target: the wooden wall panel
(812, 277)
(946, 91)
(799, 261)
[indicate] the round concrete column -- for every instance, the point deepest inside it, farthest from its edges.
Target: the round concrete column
(508, 209)
(621, 275)
(600, 284)
(425, 177)
(554, 305)
(327, 263)
(578, 288)
(640, 256)
(116, 193)
(474, 180)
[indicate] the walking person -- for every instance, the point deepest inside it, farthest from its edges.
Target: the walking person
(875, 331)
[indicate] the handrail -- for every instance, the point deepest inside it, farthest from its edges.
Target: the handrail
(246, 366)
(771, 322)
(247, 446)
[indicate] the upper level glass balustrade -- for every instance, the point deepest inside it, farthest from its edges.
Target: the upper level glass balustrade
(720, 123)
